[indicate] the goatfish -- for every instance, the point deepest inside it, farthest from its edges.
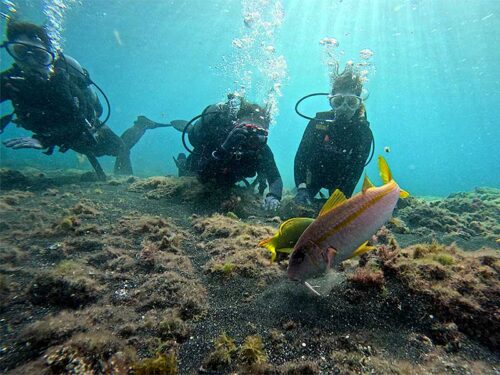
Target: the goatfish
(286, 237)
(343, 227)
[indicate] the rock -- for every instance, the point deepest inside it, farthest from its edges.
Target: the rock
(10, 179)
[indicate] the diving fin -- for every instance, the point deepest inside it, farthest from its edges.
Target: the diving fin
(5, 120)
(179, 124)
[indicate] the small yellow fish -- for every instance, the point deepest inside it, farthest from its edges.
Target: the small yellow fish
(287, 236)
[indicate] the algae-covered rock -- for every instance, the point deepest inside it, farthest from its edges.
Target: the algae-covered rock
(10, 179)
(70, 285)
(233, 247)
(460, 217)
(91, 353)
(460, 287)
(53, 329)
(183, 188)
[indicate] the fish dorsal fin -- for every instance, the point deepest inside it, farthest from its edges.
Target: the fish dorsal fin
(362, 249)
(284, 225)
(335, 199)
(366, 184)
(385, 172)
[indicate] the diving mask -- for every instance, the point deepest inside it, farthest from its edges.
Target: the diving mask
(351, 101)
(24, 52)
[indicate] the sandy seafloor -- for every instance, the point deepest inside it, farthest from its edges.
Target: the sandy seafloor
(163, 276)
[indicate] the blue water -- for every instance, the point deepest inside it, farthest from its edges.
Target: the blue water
(434, 96)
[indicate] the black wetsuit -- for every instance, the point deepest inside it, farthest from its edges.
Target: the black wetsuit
(332, 155)
(63, 111)
(207, 136)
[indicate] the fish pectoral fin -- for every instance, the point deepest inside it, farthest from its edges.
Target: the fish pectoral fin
(335, 199)
(364, 248)
(366, 184)
(330, 254)
(403, 193)
(285, 250)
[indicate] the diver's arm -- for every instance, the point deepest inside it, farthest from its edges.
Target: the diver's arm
(7, 84)
(304, 153)
(269, 169)
(4, 92)
(5, 95)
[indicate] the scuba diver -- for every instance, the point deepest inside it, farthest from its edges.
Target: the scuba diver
(336, 144)
(52, 97)
(229, 145)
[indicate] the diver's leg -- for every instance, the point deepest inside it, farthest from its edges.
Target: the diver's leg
(108, 143)
(123, 165)
(130, 137)
(97, 167)
(313, 190)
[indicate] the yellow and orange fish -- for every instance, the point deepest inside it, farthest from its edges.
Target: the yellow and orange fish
(344, 226)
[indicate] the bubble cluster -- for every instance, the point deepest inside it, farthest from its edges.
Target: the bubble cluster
(257, 68)
(332, 55)
(366, 54)
(55, 10)
(11, 7)
(329, 42)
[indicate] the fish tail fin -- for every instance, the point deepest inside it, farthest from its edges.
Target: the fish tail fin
(385, 172)
(386, 176)
(269, 244)
(403, 193)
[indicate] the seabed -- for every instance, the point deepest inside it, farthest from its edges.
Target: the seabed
(164, 276)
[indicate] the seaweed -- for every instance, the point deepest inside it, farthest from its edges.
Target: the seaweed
(252, 351)
(223, 354)
(162, 364)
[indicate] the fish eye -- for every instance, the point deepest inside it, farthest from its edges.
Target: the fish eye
(299, 256)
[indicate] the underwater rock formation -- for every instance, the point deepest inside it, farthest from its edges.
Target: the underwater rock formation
(460, 287)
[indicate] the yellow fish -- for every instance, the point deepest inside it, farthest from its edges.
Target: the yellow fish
(286, 237)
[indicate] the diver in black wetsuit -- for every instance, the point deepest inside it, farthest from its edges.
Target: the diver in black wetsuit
(230, 144)
(336, 144)
(52, 98)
